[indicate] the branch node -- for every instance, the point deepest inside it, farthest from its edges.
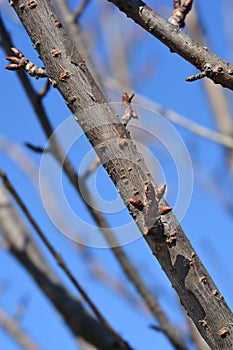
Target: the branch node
(129, 112)
(32, 4)
(19, 61)
(197, 76)
(223, 332)
(180, 12)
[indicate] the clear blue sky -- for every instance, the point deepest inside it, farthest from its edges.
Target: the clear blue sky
(207, 222)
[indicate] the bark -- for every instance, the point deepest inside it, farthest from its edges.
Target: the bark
(130, 271)
(127, 169)
(218, 70)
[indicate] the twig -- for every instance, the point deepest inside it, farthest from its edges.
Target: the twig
(180, 12)
(27, 253)
(19, 61)
(60, 261)
(214, 136)
(36, 149)
(80, 9)
(42, 93)
(197, 76)
(217, 96)
(183, 267)
(13, 328)
(129, 112)
(93, 166)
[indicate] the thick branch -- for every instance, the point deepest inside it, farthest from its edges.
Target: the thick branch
(210, 65)
(130, 271)
(127, 169)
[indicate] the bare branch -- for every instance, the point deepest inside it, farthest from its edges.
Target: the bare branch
(180, 12)
(214, 136)
(44, 90)
(130, 271)
(36, 149)
(19, 61)
(22, 246)
(180, 262)
(19, 335)
(129, 112)
(90, 170)
(220, 71)
(79, 11)
(61, 262)
(217, 96)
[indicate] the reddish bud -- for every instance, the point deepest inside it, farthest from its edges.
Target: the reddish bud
(165, 210)
(160, 191)
(136, 203)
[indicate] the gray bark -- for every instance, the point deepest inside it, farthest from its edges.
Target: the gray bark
(127, 169)
(218, 70)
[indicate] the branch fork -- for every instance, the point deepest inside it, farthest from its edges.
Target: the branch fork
(19, 61)
(180, 12)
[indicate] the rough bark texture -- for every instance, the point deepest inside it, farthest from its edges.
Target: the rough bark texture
(130, 271)
(218, 70)
(126, 167)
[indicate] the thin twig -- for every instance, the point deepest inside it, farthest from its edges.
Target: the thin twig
(80, 9)
(90, 170)
(180, 12)
(214, 136)
(217, 97)
(36, 149)
(12, 327)
(60, 261)
(42, 93)
(19, 61)
(129, 111)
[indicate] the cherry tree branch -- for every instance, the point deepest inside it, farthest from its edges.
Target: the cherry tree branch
(131, 272)
(209, 64)
(125, 165)
(22, 246)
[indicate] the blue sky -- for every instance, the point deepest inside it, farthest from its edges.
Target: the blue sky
(207, 222)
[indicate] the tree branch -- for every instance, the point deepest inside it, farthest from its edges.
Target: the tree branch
(24, 249)
(12, 327)
(187, 274)
(209, 64)
(61, 262)
(222, 138)
(130, 271)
